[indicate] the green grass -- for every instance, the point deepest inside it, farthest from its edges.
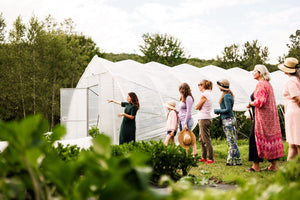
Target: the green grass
(220, 173)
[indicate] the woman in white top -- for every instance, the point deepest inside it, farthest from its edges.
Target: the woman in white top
(204, 107)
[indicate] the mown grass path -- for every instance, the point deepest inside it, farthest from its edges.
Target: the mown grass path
(219, 173)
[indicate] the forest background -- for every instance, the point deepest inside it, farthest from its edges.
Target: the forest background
(39, 57)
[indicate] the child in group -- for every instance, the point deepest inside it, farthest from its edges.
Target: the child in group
(172, 122)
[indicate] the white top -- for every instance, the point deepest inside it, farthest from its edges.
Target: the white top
(205, 111)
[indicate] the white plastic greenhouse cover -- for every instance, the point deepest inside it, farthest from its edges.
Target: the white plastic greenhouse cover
(154, 84)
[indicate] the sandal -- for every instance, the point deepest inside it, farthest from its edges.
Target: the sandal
(251, 170)
(268, 169)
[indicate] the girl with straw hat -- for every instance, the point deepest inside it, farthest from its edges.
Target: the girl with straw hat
(172, 122)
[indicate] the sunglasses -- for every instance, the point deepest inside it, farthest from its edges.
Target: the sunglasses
(200, 84)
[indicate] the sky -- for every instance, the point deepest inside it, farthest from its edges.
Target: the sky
(204, 27)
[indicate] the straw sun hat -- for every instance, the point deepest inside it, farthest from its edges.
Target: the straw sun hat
(186, 138)
(289, 65)
(171, 105)
(223, 84)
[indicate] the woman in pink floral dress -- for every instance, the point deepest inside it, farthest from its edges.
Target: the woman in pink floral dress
(268, 138)
(292, 106)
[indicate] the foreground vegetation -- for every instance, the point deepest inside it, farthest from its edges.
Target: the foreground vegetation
(31, 168)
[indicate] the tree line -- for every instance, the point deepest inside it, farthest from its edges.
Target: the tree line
(42, 56)
(35, 62)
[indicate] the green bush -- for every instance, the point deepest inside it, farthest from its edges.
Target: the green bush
(94, 131)
(68, 152)
(281, 119)
(165, 160)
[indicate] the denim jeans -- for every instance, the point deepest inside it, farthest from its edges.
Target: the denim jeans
(190, 124)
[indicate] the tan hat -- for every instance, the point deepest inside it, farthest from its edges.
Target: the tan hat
(186, 138)
(289, 65)
(171, 105)
(223, 84)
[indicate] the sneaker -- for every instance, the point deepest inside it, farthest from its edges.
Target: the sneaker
(202, 160)
(229, 164)
(209, 162)
(238, 164)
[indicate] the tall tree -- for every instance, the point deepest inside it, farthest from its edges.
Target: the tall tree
(294, 46)
(36, 62)
(17, 39)
(231, 57)
(246, 56)
(254, 53)
(2, 28)
(163, 48)
(34, 31)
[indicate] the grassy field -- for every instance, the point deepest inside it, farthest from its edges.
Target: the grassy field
(218, 172)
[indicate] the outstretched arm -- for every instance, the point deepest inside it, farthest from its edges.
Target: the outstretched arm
(114, 101)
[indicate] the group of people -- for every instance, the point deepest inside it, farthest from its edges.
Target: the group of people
(265, 139)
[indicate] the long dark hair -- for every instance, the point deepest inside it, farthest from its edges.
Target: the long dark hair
(185, 91)
(134, 99)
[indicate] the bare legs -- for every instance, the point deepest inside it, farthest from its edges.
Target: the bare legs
(169, 137)
(255, 166)
(272, 167)
(293, 151)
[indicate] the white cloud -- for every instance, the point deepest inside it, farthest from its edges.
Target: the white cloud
(205, 27)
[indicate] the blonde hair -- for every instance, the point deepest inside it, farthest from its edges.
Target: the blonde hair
(225, 92)
(263, 71)
(208, 85)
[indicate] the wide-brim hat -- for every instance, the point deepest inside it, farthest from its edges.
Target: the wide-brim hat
(223, 84)
(186, 138)
(171, 105)
(289, 65)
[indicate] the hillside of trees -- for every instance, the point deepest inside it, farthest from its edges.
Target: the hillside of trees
(39, 57)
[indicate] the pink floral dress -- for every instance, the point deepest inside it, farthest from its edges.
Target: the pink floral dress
(268, 136)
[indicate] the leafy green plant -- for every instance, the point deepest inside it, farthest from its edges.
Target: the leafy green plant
(30, 168)
(94, 131)
(164, 160)
(68, 152)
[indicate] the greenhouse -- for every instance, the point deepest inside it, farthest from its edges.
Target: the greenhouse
(155, 84)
